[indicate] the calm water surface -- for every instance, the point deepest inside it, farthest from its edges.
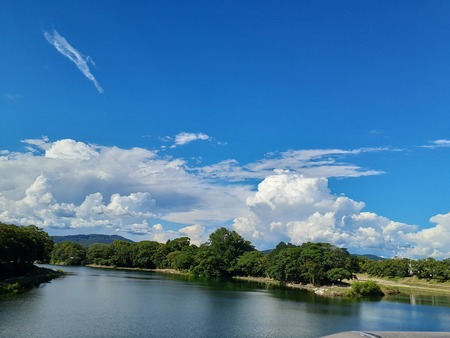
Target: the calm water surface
(111, 303)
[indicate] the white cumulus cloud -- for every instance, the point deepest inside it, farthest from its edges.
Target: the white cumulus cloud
(68, 185)
(431, 242)
(184, 138)
(293, 208)
(69, 149)
(71, 185)
(197, 233)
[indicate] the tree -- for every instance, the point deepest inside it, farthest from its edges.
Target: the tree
(24, 244)
(121, 253)
(280, 260)
(430, 268)
(10, 243)
(178, 244)
(183, 259)
(40, 244)
(338, 274)
(309, 263)
(282, 263)
(252, 263)
(143, 254)
(68, 253)
(219, 255)
(208, 264)
(99, 253)
(318, 258)
(160, 256)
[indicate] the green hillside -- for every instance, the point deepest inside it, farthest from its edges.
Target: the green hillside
(87, 240)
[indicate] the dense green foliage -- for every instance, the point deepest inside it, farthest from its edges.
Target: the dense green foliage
(20, 247)
(225, 254)
(98, 253)
(310, 263)
(218, 257)
(68, 253)
(252, 263)
(428, 268)
(24, 244)
(365, 289)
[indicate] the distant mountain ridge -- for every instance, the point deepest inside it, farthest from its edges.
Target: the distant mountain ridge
(372, 257)
(87, 240)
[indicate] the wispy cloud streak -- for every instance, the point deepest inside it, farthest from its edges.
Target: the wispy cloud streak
(437, 144)
(62, 46)
(309, 163)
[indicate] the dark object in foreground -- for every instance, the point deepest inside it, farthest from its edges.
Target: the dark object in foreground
(389, 334)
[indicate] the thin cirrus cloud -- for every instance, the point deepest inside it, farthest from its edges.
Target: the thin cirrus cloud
(66, 49)
(442, 143)
(309, 163)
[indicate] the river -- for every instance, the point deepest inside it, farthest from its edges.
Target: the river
(115, 303)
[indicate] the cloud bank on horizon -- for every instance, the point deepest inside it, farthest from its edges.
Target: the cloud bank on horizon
(75, 186)
(82, 62)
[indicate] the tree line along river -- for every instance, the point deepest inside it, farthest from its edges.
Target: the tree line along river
(92, 302)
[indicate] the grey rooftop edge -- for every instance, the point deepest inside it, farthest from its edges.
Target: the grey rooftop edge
(389, 334)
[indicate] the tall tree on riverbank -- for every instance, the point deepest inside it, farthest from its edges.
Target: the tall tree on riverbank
(68, 253)
(24, 244)
(218, 257)
(310, 263)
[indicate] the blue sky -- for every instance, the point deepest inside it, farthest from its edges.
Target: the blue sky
(294, 120)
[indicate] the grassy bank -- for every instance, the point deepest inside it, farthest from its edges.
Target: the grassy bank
(18, 280)
(170, 271)
(408, 284)
(388, 286)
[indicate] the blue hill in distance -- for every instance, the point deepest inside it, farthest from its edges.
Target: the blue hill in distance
(87, 240)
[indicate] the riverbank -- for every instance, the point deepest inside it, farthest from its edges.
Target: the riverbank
(28, 278)
(330, 291)
(408, 284)
(388, 286)
(169, 271)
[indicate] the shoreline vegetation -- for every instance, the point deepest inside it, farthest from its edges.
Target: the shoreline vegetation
(319, 267)
(389, 286)
(168, 271)
(28, 278)
(20, 248)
